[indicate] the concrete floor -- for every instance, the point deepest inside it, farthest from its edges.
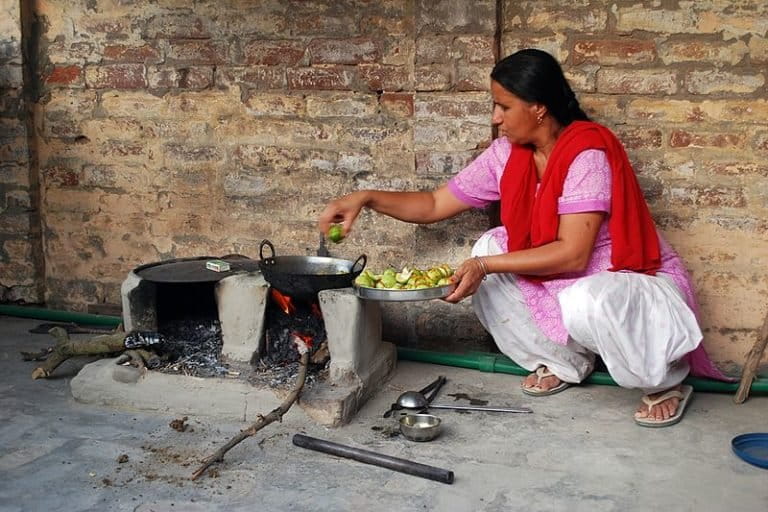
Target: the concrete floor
(578, 451)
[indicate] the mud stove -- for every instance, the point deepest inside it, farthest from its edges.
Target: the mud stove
(360, 362)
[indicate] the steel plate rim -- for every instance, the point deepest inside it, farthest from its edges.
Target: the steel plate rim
(387, 295)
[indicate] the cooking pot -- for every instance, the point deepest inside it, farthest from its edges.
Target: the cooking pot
(304, 276)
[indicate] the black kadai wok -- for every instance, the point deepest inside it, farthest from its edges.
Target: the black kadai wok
(304, 276)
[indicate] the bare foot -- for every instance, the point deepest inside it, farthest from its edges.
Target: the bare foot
(662, 410)
(535, 382)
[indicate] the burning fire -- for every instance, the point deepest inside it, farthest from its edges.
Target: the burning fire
(284, 301)
(303, 341)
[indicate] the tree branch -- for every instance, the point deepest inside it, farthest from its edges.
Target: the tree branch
(261, 421)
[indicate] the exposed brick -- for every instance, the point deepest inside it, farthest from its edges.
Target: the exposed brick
(684, 111)
(342, 105)
(758, 49)
(64, 53)
(274, 52)
(145, 53)
(640, 138)
(65, 75)
(132, 104)
(270, 104)
(187, 154)
(761, 141)
(554, 45)
(174, 25)
(628, 81)
(684, 139)
(545, 16)
(432, 78)
(377, 136)
(667, 21)
(470, 106)
(708, 196)
(15, 175)
(583, 78)
(476, 49)
(388, 25)
(433, 49)
(397, 104)
(198, 52)
(116, 76)
(718, 53)
(442, 163)
(473, 77)
(14, 223)
(397, 52)
(343, 51)
(712, 82)
(446, 16)
(193, 77)
(614, 51)
(384, 78)
(259, 77)
(333, 78)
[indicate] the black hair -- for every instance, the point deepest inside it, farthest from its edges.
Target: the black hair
(536, 77)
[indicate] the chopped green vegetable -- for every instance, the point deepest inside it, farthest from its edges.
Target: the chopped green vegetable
(335, 233)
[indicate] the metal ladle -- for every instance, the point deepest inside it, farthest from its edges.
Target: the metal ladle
(416, 400)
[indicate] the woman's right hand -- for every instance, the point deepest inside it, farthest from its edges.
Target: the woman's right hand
(342, 210)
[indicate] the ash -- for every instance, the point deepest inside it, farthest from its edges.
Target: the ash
(283, 375)
(193, 347)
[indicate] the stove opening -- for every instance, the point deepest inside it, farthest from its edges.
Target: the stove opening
(288, 317)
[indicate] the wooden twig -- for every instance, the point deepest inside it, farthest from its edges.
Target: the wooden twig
(751, 363)
(66, 348)
(261, 421)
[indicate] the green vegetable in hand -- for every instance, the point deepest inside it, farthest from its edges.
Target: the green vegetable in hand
(335, 233)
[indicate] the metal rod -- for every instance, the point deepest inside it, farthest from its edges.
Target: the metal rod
(377, 459)
(488, 409)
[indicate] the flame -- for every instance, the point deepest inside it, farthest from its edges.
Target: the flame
(284, 301)
(303, 341)
(316, 310)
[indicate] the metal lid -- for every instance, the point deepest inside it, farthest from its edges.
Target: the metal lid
(193, 270)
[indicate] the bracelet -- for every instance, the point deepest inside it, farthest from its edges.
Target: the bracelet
(482, 266)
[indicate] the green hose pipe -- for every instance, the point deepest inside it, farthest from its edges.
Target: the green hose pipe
(483, 361)
(496, 363)
(60, 316)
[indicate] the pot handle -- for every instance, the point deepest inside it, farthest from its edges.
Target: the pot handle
(360, 258)
(271, 248)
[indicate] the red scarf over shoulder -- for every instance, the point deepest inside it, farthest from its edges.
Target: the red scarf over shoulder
(531, 218)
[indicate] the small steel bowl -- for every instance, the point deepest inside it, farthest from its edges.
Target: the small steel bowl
(420, 427)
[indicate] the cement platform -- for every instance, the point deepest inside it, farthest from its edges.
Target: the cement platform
(578, 451)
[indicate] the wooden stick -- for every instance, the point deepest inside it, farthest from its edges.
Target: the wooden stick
(66, 348)
(261, 421)
(750, 366)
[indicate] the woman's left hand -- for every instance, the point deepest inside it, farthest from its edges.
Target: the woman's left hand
(467, 277)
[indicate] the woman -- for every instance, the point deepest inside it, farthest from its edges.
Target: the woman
(577, 269)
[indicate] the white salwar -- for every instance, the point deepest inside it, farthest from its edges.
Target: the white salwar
(639, 325)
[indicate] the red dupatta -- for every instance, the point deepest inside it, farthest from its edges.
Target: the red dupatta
(531, 216)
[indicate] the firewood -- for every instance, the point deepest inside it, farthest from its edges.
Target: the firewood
(261, 421)
(752, 361)
(65, 348)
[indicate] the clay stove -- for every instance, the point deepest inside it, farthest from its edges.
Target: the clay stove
(359, 360)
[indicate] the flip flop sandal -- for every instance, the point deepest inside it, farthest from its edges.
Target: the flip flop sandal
(543, 372)
(685, 398)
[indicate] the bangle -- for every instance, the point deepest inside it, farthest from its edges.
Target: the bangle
(483, 267)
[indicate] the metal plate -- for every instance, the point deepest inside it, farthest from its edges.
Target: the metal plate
(385, 295)
(192, 270)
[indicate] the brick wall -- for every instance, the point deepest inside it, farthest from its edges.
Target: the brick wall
(20, 256)
(172, 129)
(684, 84)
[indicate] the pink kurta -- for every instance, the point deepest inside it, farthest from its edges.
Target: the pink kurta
(587, 188)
